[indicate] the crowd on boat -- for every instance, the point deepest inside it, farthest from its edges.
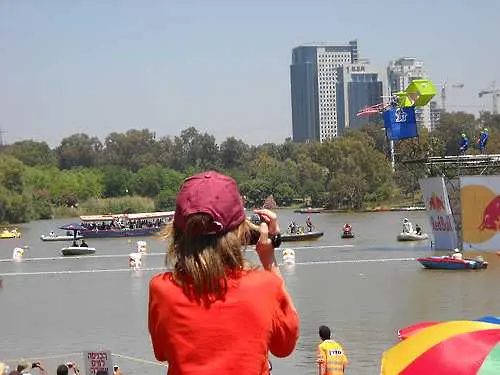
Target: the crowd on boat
(120, 224)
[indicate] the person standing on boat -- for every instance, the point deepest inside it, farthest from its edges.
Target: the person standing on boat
(309, 224)
(84, 244)
(457, 255)
(292, 227)
(407, 226)
(331, 358)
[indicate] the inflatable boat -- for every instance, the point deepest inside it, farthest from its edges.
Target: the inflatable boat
(448, 263)
(76, 250)
(306, 236)
(347, 235)
(412, 236)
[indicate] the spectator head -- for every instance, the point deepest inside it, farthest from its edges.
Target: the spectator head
(101, 372)
(208, 231)
(23, 365)
(62, 370)
(324, 333)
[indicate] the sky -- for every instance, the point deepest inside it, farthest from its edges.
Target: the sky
(222, 66)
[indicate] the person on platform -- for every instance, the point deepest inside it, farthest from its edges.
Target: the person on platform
(418, 230)
(407, 226)
(292, 227)
(483, 140)
(331, 358)
(309, 224)
(464, 144)
(83, 244)
(214, 313)
(347, 228)
(457, 254)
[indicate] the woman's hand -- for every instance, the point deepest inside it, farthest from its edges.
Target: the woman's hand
(270, 218)
(264, 248)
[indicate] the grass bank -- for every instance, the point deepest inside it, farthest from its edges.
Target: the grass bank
(95, 206)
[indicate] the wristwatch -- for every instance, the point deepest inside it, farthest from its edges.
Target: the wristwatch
(276, 240)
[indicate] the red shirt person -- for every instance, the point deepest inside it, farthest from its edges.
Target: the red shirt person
(215, 314)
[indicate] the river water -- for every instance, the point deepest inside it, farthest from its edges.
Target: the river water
(52, 306)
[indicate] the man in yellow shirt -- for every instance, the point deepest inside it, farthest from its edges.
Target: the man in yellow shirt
(331, 357)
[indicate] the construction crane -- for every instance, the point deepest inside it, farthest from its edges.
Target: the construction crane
(443, 93)
(495, 93)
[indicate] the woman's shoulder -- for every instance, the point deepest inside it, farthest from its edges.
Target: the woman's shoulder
(262, 277)
(162, 280)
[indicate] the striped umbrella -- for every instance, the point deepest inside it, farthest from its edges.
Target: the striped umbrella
(450, 348)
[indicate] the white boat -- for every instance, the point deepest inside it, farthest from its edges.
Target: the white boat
(53, 237)
(76, 250)
(413, 236)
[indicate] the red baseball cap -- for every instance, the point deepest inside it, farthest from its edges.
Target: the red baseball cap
(214, 194)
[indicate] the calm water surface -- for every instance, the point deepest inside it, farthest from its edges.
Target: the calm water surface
(45, 313)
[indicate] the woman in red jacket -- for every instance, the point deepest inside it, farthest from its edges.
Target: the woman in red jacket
(215, 314)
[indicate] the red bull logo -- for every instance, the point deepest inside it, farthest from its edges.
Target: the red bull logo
(436, 203)
(491, 215)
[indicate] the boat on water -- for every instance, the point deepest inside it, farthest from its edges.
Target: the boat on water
(449, 263)
(55, 237)
(77, 250)
(413, 236)
(347, 234)
(301, 236)
(9, 234)
(309, 210)
(124, 225)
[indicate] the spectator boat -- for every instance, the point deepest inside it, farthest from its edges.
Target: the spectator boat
(124, 225)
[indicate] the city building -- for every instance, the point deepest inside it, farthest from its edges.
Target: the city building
(435, 114)
(399, 75)
(313, 80)
(358, 86)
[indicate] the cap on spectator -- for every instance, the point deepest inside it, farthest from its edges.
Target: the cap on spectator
(214, 194)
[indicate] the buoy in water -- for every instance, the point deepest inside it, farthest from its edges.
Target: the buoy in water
(288, 256)
(142, 247)
(135, 261)
(18, 253)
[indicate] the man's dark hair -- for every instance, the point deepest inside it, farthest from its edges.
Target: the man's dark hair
(324, 333)
(101, 372)
(62, 370)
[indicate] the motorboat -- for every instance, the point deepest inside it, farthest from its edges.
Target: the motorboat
(347, 234)
(301, 236)
(8, 234)
(54, 237)
(413, 236)
(309, 210)
(77, 250)
(448, 263)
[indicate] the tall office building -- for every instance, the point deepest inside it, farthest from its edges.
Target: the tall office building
(358, 87)
(400, 73)
(313, 81)
(435, 114)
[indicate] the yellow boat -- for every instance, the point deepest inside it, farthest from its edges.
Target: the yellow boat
(8, 234)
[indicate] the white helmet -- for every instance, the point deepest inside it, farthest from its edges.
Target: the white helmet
(405, 220)
(457, 250)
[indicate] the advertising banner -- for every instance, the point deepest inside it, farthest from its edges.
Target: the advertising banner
(439, 213)
(480, 203)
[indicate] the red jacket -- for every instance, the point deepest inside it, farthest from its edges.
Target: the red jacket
(232, 336)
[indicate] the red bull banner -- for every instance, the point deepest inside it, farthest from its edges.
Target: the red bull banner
(480, 208)
(439, 213)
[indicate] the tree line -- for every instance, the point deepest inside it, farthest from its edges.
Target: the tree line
(348, 172)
